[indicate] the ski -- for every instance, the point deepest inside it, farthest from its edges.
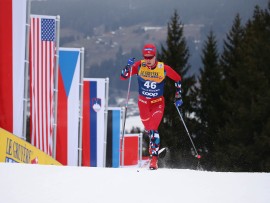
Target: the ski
(161, 155)
(162, 152)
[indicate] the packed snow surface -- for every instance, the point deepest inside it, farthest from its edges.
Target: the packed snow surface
(23, 183)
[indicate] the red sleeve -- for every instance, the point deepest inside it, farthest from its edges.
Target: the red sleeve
(135, 68)
(172, 73)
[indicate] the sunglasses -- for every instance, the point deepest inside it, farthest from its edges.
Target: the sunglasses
(148, 57)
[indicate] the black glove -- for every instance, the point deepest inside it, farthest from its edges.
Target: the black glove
(126, 70)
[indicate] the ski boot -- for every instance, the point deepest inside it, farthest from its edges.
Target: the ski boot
(154, 163)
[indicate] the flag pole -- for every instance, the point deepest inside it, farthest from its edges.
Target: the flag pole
(107, 81)
(26, 69)
(56, 85)
(81, 108)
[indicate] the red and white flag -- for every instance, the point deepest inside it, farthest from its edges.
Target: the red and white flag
(12, 62)
(42, 70)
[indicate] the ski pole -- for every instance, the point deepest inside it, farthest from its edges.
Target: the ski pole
(125, 115)
(197, 155)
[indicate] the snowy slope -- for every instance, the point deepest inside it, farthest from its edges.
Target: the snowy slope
(50, 184)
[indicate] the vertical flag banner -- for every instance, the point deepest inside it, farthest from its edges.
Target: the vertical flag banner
(12, 61)
(113, 137)
(68, 106)
(42, 54)
(93, 122)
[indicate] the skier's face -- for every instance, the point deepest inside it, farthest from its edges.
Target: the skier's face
(150, 60)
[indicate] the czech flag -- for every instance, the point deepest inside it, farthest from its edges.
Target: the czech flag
(68, 106)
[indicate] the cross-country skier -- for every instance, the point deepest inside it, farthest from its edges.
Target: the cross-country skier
(151, 74)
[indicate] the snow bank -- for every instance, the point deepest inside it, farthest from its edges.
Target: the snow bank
(45, 184)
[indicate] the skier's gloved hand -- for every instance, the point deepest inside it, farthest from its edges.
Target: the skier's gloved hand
(178, 99)
(178, 96)
(125, 71)
(178, 102)
(130, 62)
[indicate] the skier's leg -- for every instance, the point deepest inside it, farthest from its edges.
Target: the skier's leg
(153, 148)
(156, 111)
(144, 113)
(154, 142)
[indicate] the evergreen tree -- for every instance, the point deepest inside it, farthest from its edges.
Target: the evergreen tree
(246, 133)
(176, 55)
(209, 105)
(230, 62)
(231, 56)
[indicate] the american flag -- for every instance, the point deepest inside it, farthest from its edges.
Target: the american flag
(42, 62)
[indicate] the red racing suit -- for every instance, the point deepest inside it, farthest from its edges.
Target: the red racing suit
(151, 85)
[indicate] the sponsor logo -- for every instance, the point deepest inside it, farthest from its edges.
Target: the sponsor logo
(156, 100)
(145, 102)
(148, 49)
(150, 74)
(15, 150)
(18, 151)
(149, 94)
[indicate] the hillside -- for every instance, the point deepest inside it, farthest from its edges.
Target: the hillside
(111, 31)
(105, 45)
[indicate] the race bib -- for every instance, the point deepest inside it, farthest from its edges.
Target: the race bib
(151, 81)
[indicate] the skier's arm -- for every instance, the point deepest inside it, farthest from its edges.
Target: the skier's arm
(172, 74)
(178, 84)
